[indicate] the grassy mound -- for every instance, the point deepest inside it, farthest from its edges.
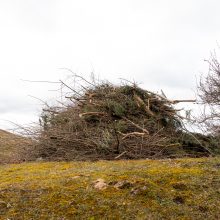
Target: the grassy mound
(110, 122)
(12, 147)
(144, 189)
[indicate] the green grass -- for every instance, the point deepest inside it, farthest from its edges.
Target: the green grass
(153, 189)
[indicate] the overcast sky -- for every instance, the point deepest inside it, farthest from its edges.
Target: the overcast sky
(159, 44)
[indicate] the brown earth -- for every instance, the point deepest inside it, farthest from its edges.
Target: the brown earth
(12, 147)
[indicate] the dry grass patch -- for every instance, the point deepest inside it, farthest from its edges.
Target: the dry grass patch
(13, 147)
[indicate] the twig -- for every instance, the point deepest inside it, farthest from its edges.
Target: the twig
(70, 88)
(184, 100)
(171, 101)
(38, 81)
(92, 113)
(39, 100)
(50, 110)
(131, 134)
(121, 154)
(78, 76)
(75, 98)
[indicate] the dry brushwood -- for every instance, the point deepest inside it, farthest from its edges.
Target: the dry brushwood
(110, 122)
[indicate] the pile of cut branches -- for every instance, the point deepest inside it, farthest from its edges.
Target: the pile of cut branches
(105, 121)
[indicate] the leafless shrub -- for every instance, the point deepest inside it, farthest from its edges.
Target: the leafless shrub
(209, 93)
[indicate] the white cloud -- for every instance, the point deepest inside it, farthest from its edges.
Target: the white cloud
(159, 43)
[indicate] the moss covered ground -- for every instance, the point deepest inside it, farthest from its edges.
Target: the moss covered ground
(144, 189)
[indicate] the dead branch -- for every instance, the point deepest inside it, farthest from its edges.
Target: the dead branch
(133, 134)
(71, 98)
(183, 100)
(78, 76)
(92, 113)
(137, 126)
(120, 155)
(50, 111)
(70, 88)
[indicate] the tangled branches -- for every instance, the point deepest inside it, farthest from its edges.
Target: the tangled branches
(209, 93)
(104, 121)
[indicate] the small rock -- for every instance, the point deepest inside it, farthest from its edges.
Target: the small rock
(9, 205)
(138, 190)
(144, 188)
(135, 191)
(100, 184)
(123, 184)
(112, 183)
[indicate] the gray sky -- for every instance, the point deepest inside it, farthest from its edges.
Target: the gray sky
(160, 44)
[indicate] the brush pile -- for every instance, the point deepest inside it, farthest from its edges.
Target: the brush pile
(110, 122)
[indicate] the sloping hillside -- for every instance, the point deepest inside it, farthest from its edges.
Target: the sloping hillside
(145, 189)
(12, 147)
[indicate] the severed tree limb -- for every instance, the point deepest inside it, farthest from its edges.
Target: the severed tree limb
(92, 113)
(169, 145)
(51, 111)
(75, 98)
(149, 111)
(69, 88)
(147, 108)
(183, 100)
(170, 101)
(139, 101)
(136, 125)
(121, 154)
(133, 134)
